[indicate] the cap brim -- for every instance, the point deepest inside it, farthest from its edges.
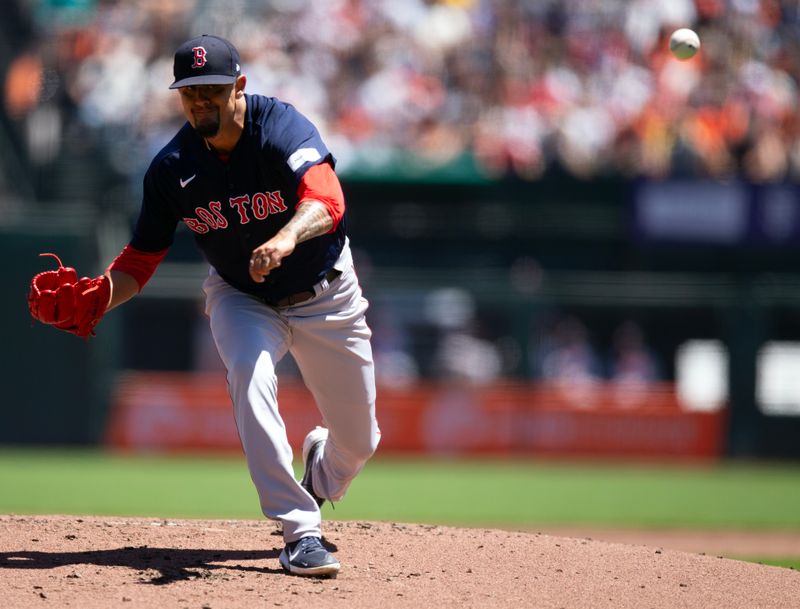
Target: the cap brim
(208, 79)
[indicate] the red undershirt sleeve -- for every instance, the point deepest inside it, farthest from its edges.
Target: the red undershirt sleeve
(321, 184)
(137, 263)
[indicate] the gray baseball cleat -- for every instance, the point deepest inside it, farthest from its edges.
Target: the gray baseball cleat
(315, 441)
(308, 557)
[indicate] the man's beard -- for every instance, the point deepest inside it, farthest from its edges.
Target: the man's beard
(209, 127)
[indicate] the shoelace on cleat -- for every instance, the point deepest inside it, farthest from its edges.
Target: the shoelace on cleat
(306, 547)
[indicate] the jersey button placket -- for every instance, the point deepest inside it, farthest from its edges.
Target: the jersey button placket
(243, 233)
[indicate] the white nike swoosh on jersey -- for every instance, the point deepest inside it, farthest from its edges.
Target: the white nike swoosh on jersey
(186, 181)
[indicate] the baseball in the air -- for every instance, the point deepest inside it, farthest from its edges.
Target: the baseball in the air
(684, 43)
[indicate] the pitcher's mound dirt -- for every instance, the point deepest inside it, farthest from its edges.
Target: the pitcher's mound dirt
(90, 562)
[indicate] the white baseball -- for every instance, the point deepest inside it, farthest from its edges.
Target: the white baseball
(684, 43)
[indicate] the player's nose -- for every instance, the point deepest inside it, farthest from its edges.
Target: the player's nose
(202, 106)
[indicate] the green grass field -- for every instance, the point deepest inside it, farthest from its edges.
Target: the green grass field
(462, 492)
(467, 492)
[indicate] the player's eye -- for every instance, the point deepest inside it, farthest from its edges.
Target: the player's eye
(202, 91)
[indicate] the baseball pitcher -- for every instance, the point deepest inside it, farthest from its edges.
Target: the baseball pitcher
(252, 179)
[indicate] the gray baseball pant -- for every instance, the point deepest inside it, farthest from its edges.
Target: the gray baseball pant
(329, 338)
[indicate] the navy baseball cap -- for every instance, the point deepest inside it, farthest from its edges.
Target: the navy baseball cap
(205, 60)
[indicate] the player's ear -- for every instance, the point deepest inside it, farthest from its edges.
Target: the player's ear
(239, 85)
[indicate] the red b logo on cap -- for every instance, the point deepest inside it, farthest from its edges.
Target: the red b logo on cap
(199, 57)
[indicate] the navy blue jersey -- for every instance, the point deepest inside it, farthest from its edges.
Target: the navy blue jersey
(233, 207)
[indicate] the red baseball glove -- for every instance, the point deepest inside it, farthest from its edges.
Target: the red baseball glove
(58, 298)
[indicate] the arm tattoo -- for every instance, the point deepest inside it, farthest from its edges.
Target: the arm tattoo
(311, 219)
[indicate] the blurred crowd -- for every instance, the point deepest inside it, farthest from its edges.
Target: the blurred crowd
(519, 88)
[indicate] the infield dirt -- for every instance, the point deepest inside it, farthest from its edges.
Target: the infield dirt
(90, 562)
